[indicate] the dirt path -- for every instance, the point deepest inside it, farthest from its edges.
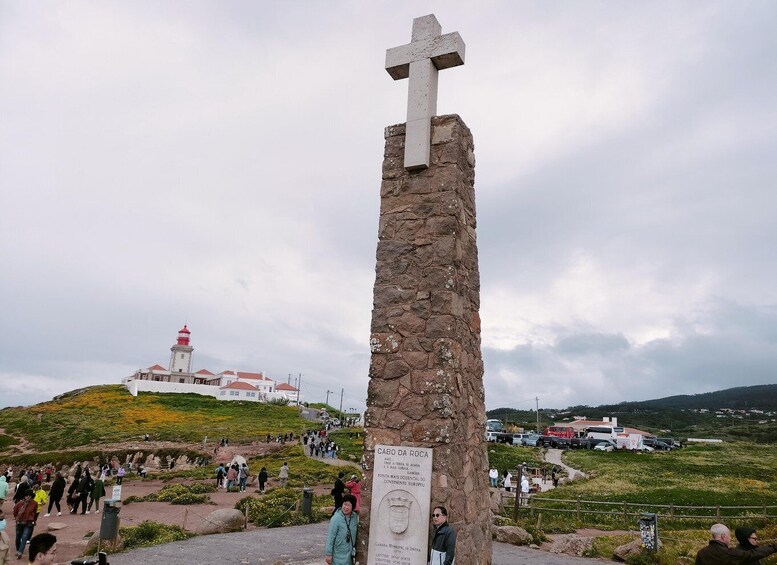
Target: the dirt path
(553, 456)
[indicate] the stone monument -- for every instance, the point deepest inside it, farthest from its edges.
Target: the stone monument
(426, 371)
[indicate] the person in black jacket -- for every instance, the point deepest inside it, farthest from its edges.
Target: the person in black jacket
(85, 485)
(444, 540)
(337, 491)
(748, 540)
(55, 495)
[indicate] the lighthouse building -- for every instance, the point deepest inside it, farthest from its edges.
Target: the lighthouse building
(225, 385)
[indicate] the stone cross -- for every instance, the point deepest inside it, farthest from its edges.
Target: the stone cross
(427, 52)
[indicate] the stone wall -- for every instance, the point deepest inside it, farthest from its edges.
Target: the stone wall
(426, 372)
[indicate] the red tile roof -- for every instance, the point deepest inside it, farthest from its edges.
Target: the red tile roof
(256, 376)
(284, 386)
(203, 372)
(157, 368)
(227, 373)
(239, 385)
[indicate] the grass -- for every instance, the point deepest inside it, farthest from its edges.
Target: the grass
(109, 414)
(729, 474)
(503, 456)
(303, 470)
(350, 447)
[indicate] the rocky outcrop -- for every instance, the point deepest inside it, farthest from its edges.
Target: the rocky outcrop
(514, 535)
(631, 549)
(572, 544)
(222, 520)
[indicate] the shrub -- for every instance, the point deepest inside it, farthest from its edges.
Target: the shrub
(177, 494)
(150, 533)
(278, 508)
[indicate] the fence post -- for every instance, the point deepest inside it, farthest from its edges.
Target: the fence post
(539, 522)
(717, 512)
(185, 515)
(578, 507)
(764, 511)
(671, 511)
(625, 515)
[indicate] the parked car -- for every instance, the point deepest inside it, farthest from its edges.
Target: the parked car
(580, 443)
(518, 439)
(605, 445)
(532, 440)
(491, 436)
(656, 444)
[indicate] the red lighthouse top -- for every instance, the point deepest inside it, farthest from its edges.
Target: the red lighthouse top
(183, 336)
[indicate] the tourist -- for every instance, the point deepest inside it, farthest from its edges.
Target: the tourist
(24, 514)
(443, 549)
(493, 476)
(243, 477)
(341, 536)
(262, 477)
(717, 552)
(97, 492)
(283, 474)
(40, 497)
(220, 476)
(338, 491)
(22, 488)
(120, 474)
(3, 489)
(231, 476)
(72, 495)
(85, 485)
(5, 541)
(524, 489)
(507, 481)
(43, 549)
(55, 495)
(748, 540)
(355, 488)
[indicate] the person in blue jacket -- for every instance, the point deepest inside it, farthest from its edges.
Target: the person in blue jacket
(341, 538)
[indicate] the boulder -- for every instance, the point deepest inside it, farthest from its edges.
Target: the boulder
(54, 526)
(633, 548)
(572, 544)
(222, 520)
(514, 535)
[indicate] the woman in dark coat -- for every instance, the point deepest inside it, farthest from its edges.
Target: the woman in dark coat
(262, 479)
(747, 540)
(55, 495)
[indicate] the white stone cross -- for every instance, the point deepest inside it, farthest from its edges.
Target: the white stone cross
(427, 52)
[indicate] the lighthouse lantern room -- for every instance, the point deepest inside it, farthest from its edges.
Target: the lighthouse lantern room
(181, 353)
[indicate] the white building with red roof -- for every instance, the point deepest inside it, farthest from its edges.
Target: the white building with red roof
(225, 385)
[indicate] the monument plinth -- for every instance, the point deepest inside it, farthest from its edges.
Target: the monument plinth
(426, 370)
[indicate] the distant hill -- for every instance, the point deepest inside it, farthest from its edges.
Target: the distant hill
(763, 397)
(742, 412)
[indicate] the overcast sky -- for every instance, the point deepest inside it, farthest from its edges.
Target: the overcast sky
(218, 164)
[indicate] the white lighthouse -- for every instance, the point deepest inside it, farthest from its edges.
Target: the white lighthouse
(181, 353)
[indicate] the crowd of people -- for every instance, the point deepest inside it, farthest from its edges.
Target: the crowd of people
(319, 444)
(36, 492)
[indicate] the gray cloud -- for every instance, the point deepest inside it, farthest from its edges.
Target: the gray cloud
(220, 165)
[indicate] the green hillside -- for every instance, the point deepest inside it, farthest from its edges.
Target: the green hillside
(109, 414)
(735, 413)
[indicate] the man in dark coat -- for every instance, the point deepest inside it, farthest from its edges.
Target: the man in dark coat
(719, 553)
(338, 490)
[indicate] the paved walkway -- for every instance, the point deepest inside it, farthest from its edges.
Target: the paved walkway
(299, 545)
(553, 456)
